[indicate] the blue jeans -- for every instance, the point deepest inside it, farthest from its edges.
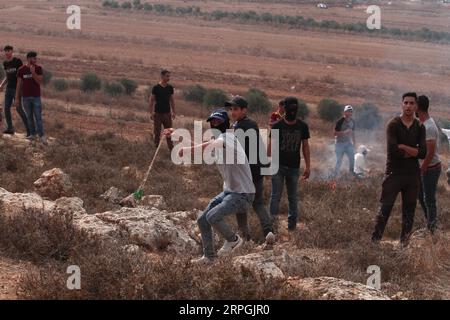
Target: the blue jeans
(291, 177)
(33, 108)
(224, 204)
(347, 149)
(427, 196)
(10, 95)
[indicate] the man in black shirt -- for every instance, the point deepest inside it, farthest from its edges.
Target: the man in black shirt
(247, 132)
(294, 136)
(11, 66)
(162, 107)
(406, 144)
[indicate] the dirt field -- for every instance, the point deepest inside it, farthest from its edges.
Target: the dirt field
(233, 56)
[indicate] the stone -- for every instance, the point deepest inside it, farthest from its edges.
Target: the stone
(54, 184)
(12, 204)
(113, 195)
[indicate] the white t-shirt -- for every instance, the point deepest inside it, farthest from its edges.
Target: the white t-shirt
(432, 133)
(233, 165)
(360, 163)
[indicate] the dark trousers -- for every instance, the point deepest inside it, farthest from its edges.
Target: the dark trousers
(408, 186)
(162, 119)
(427, 195)
(264, 218)
(10, 95)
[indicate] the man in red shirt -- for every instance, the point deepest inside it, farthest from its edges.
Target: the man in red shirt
(277, 115)
(29, 80)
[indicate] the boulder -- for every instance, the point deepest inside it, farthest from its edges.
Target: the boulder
(150, 228)
(18, 203)
(328, 288)
(261, 265)
(54, 184)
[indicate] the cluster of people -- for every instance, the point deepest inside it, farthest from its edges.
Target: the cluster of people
(22, 86)
(413, 168)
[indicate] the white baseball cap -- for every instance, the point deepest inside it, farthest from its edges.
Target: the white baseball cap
(348, 108)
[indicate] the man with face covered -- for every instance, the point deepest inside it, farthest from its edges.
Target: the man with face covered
(294, 136)
(238, 189)
(406, 144)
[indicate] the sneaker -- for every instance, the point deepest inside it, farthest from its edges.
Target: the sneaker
(270, 238)
(8, 131)
(30, 137)
(44, 140)
(202, 261)
(230, 246)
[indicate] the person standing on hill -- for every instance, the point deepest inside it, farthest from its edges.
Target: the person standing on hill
(245, 128)
(277, 115)
(406, 144)
(29, 80)
(162, 107)
(345, 140)
(431, 167)
(12, 66)
(294, 139)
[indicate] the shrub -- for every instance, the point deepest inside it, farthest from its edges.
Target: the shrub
(214, 98)
(367, 116)
(329, 110)
(257, 101)
(113, 88)
(148, 6)
(126, 5)
(47, 77)
(90, 82)
(194, 93)
(303, 110)
(60, 84)
(129, 86)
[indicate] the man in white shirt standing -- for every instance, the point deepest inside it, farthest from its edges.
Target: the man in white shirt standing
(361, 168)
(431, 167)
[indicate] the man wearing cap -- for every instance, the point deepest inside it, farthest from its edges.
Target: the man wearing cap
(277, 115)
(361, 168)
(247, 132)
(406, 144)
(431, 166)
(238, 189)
(345, 140)
(294, 140)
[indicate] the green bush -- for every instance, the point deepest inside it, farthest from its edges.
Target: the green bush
(113, 88)
(214, 98)
(148, 6)
(367, 116)
(303, 110)
(195, 93)
(47, 77)
(90, 82)
(257, 101)
(129, 86)
(60, 84)
(126, 5)
(329, 110)
(137, 5)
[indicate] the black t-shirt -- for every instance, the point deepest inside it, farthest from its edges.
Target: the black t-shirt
(162, 96)
(11, 68)
(291, 137)
(343, 125)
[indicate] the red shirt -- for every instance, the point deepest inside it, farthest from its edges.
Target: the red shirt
(30, 88)
(275, 117)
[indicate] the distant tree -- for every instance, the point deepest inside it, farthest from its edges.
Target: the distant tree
(214, 98)
(126, 5)
(60, 84)
(194, 93)
(113, 88)
(47, 75)
(90, 82)
(257, 101)
(129, 86)
(303, 110)
(367, 116)
(329, 110)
